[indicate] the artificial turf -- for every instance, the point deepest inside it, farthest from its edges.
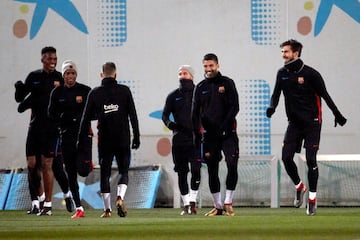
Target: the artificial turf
(166, 223)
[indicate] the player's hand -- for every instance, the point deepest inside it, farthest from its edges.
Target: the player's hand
(135, 142)
(339, 119)
(19, 91)
(22, 107)
(270, 111)
(19, 84)
(171, 126)
(176, 127)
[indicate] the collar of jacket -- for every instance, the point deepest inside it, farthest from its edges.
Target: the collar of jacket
(186, 85)
(108, 81)
(295, 66)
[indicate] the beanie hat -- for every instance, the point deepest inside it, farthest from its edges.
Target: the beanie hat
(68, 64)
(188, 68)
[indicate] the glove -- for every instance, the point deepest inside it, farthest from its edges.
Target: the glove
(339, 119)
(175, 127)
(19, 91)
(24, 105)
(135, 142)
(19, 84)
(270, 111)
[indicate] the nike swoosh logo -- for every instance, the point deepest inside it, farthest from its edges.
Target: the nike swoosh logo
(204, 92)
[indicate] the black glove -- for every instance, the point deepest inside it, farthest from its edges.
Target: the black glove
(19, 84)
(135, 142)
(19, 91)
(175, 127)
(172, 126)
(24, 105)
(339, 119)
(270, 111)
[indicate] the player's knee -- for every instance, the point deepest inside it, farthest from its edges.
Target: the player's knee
(232, 160)
(311, 156)
(287, 153)
(46, 163)
(31, 166)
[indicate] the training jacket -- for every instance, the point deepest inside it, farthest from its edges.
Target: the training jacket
(112, 105)
(178, 103)
(302, 87)
(39, 85)
(66, 106)
(215, 105)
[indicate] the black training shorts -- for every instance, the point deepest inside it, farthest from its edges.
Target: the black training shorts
(309, 133)
(41, 142)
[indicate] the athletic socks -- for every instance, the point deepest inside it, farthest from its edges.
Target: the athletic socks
(41, 198)
(193, 195)
(229, 194)
(299, 186)
(312, 196)
(35, 203)
(107, 201)
(47, 205)
(80, 208)
(217, 200)
(186, 199)
(121, 190)
(67, 195)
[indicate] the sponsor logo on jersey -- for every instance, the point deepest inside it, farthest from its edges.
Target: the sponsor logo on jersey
(111, 108)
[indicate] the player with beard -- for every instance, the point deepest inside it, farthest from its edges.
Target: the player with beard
(215, 106)
(178, 103)
(302, 87)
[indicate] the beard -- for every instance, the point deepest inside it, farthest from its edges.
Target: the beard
(289, 60)
(211, 74)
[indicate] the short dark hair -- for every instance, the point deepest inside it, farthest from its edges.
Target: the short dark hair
(48, 49)
(109, 68)
(294, 45)
(211, 56)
